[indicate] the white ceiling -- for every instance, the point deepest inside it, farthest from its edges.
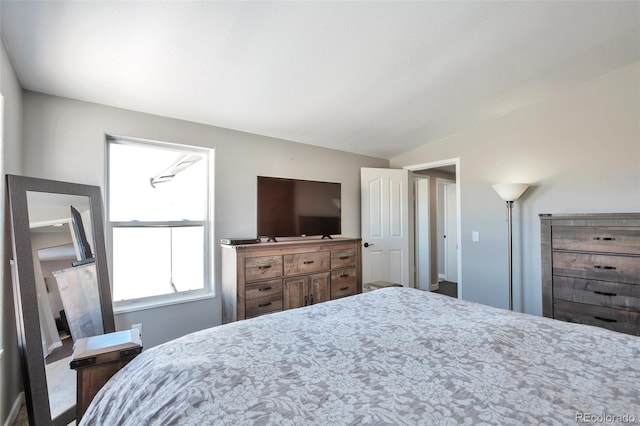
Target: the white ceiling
(377, 78)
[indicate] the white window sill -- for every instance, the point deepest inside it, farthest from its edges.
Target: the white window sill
(141, 306)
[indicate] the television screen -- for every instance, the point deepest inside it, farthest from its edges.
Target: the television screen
(294, 208)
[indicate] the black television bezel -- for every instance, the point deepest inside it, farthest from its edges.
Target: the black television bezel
(273, 237)
(84, 245)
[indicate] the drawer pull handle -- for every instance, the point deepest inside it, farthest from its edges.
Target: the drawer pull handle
(264, 289)
(604, 293)
(605, 319)
(344, 275)
(264, 267)
(311, 299)
(604, 238)
(344, 288)
(262, 305)
(308, 262)
(344, 257)
(305, 301)
(604, 267)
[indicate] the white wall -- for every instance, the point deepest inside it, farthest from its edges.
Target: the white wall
(580, 150)
(10, 162)
(65, 140)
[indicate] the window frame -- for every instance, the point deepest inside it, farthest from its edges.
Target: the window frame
(3, 207)
(148, 302)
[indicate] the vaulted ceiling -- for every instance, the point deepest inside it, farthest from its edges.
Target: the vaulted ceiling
(376, 78)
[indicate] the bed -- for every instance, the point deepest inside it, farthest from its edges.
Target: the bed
(390, 356)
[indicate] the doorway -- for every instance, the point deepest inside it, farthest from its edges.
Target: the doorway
(444, 224)
(389, 229)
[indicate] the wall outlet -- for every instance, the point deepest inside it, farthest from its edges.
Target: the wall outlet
(475, 236)
(138, 327)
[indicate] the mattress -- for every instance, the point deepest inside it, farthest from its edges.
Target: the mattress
(391, 356)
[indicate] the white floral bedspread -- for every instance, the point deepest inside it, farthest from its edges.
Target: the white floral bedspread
(392, 356)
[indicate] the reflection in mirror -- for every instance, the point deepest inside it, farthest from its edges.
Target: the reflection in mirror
(61, 287)
(67, 286)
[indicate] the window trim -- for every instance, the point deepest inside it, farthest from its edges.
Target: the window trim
(158, 224)
(151, 302)
(4, 207)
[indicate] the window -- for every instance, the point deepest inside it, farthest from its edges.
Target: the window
(159, 216)
(2, 210)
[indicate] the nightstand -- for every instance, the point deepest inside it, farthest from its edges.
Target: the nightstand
(380, 284)
(96, 359)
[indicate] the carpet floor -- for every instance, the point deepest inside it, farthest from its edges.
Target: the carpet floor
(448, 288)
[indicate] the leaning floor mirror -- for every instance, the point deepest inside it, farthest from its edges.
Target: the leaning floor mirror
(61, 287)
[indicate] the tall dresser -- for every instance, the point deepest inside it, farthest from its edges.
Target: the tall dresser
(258, 279)
(591, 269)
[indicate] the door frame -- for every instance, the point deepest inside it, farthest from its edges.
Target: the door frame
(421, 206)
(449, 162)
(447, 223)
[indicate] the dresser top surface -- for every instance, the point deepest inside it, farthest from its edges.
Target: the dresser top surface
(591, 219)
(294, 243)
(628, 215)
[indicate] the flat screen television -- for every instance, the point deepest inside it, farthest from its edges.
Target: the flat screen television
(296, 208)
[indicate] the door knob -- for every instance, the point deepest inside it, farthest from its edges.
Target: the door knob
(367, 245)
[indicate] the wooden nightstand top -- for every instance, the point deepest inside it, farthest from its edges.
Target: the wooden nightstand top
(105, 348)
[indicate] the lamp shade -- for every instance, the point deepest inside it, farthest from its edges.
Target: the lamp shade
(510, 191)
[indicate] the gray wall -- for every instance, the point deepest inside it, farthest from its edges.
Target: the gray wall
(65, 140)
(10, 162)
(580, 150)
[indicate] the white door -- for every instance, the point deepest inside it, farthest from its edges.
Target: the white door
(451, 229)
(385, 226)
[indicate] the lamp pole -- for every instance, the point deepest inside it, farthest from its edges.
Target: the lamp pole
(510, 192)
(510, 225)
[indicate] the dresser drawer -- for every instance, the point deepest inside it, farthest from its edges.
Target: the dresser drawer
(601, 293)
(343, 283)
(624, 269)
(612, 319)
(621, 240)
(342, 290)
(305, 263)
(343, 258)
(263, 289)
(263, 305)
(258, 268)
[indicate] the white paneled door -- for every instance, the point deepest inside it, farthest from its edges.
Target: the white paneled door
(385, 225)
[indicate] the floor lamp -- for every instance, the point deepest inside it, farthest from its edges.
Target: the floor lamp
(510, 192)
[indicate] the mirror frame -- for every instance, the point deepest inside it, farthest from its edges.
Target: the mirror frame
(24, 288)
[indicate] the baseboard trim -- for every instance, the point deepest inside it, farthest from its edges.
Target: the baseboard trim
(434, 287)
(15, 409)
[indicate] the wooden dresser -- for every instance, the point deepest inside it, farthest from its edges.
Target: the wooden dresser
(258, 279)
(591, 269)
